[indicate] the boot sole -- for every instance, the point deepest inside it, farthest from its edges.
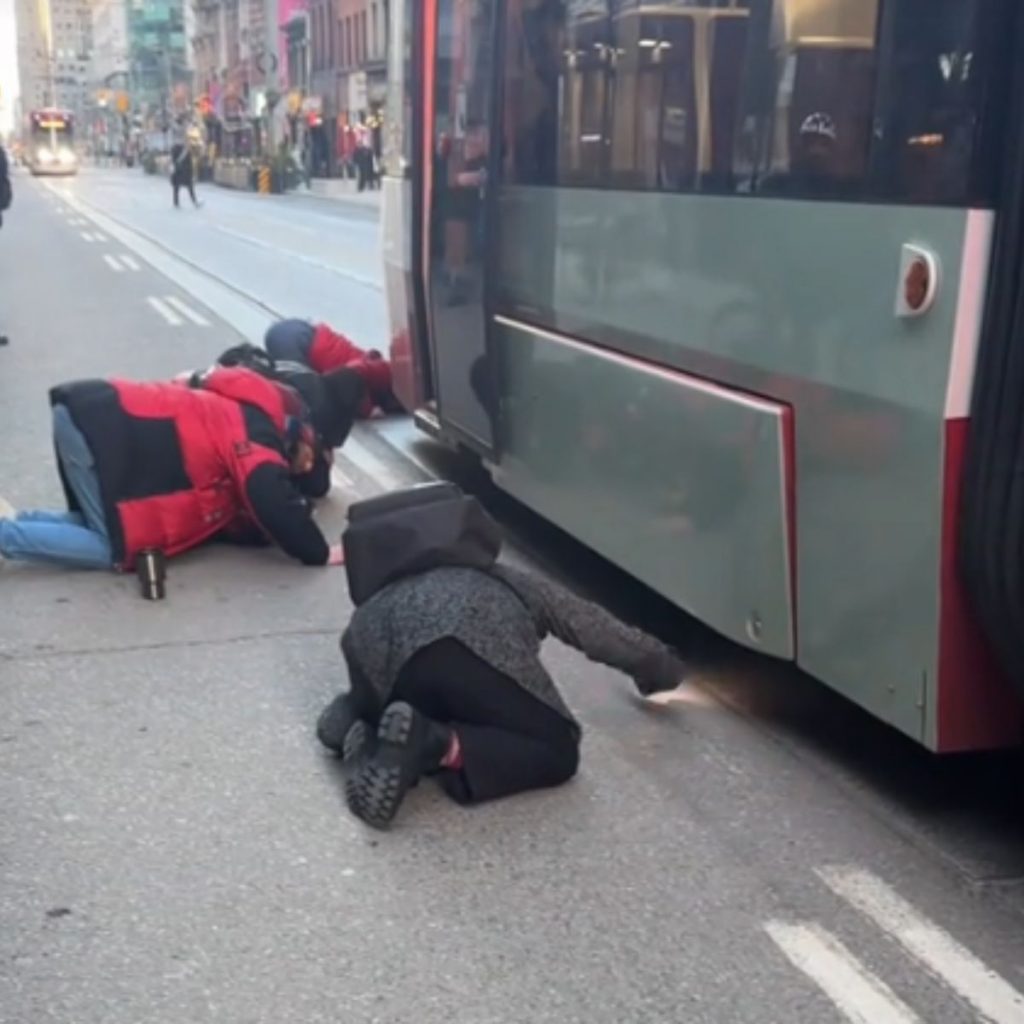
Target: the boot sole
(376, 790)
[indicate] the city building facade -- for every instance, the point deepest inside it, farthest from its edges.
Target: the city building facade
(160, 59)
(55, 53)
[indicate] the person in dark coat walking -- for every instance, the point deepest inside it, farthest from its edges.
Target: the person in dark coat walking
(183, 172)
(446, 679)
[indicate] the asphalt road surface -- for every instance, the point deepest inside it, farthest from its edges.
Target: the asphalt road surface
(174, 847)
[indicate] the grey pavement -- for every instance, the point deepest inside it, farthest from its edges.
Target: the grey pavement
(300, 256)
(175, 847)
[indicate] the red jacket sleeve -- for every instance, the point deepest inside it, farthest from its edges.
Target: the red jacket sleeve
(331, 351)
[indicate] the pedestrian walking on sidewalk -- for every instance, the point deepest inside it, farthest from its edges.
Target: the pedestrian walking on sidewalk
(182, 173)
(168, 467)
(183, 161)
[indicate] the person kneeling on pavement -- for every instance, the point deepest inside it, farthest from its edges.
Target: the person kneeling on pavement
(333, 400)
(322, 349)
(166, 467)
(443, 658)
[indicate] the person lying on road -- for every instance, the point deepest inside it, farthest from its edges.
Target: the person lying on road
(158, 465)
(323, 349)
(446, 679)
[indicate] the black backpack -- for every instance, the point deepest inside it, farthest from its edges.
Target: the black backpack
(412, 530)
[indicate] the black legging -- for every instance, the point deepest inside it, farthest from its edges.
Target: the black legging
(511, 742)
(181, 174)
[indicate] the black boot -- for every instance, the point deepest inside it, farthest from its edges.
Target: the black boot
(335, 721)
(409, 746)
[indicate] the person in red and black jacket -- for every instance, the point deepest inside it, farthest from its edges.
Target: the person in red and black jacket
(159, 465)
(323, 349)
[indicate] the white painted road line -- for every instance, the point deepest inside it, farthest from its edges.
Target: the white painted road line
(165, 311)
(185, 310)
(129, 262)
(111, 262)
(990, 995)
(87, 236)
(858, 994)
(340, 480)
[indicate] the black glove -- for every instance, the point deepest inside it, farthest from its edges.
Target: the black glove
(662, 671)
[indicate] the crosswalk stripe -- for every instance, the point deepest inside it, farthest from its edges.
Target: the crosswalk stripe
(111, 262)
(187, 311)
(859, 995)
(990, 995)
(165, 311)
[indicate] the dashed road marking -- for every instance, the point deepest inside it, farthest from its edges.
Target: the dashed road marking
(87, 236)
(129, 262)
(165, 311)
(111, 262)
(858, 994)
(339, 479)
(183, 307)
(990, 995)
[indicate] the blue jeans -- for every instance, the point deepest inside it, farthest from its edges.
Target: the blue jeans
(77, 539)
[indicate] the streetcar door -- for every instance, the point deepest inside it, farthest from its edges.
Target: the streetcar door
(460, 139)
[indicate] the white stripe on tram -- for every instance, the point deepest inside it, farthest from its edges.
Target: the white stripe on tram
(859, 995)
(990, 995)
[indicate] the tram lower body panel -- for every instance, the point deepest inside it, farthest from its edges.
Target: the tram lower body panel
(793, 305)
(685, 485)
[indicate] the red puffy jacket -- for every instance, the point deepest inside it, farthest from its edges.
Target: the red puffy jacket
(178, 465)
(332, 351)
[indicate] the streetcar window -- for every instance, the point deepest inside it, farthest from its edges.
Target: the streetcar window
(534, 55)
(938, 115)
(806, 114)
(810, 99)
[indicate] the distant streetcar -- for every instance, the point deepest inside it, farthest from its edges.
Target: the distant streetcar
(50, 148)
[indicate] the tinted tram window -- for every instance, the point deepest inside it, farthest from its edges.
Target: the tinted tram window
(813, 99)
(938, 113)
(806, 112)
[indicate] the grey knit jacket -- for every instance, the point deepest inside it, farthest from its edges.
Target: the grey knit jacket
(502, 616)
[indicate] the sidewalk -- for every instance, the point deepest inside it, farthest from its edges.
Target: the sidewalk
(340, 190)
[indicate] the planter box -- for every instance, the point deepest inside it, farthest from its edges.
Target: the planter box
(234, 174)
